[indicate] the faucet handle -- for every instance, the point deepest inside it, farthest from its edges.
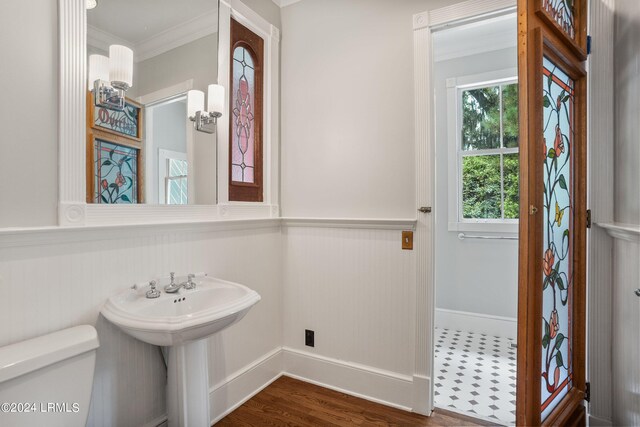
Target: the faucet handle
(153, 292)
(172, 276)
(190, 283)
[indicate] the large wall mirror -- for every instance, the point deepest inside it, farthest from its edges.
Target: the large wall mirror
(146, 60)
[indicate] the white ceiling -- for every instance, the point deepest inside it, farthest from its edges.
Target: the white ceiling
(149, 27)
(476, 37)
(138, 20)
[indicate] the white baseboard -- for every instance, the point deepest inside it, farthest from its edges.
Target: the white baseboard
(422, 403)
(242, 385)
(409, 393)
(504, 327)
(592, 420)
(161, 421)
(376, 385)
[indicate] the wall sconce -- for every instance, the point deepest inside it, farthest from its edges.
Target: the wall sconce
(205, 120)
(111, 77)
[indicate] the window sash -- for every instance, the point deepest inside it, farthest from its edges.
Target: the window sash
(501, 151)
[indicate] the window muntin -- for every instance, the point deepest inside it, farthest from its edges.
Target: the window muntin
(176, 192)
(488, 153)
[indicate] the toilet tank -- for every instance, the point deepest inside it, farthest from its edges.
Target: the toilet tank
(47, 381)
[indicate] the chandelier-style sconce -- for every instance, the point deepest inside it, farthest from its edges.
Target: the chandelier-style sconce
(111, 77)
(205, 120)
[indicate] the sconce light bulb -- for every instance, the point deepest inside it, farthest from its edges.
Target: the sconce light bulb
(91, 4)
(121, 65)
(98, 69)
(195, 102)
(215, 99)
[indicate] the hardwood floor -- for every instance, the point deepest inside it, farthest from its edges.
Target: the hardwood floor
(289, 402)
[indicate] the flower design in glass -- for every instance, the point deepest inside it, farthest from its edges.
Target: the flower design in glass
(561, 11)
(557, 256)
(116, 176)
(243, 130)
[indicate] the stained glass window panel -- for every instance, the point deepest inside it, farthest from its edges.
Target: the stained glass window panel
(116, 176)
(481, 118)
(481, 187)
(243, 129)
(557, 256)
(562, 12)
(124, 122)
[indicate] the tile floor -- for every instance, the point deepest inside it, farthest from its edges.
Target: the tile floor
(476, 375)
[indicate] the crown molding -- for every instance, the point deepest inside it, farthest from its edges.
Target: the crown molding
(101, 39)
(179, 35)
(160, 43)
(284, 3)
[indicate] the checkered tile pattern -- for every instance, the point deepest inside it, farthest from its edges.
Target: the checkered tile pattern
(476, 374)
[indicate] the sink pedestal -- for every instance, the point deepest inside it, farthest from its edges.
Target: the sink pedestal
(188, 385)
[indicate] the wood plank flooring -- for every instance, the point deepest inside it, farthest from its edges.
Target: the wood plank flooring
(289, 402)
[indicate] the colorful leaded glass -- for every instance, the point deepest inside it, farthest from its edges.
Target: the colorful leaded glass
(116, 177)
(124, 122)
(243, 130)
(562, 12)
(557, 256)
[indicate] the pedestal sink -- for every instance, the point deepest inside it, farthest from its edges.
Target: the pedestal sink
(181, 321)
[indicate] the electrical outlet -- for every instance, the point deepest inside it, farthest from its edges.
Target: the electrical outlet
(309, 339)
(407, 240)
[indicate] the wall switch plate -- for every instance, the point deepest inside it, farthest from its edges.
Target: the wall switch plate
(309, 338)
(407, 240)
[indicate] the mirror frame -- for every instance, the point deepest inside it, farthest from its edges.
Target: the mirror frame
(72, 207)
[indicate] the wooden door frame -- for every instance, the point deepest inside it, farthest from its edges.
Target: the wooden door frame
(536, 38)
(423, 26)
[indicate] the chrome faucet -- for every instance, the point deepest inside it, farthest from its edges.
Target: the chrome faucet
(172, 287)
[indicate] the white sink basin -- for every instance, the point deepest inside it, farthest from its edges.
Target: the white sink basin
(188, 315)
(181, 321)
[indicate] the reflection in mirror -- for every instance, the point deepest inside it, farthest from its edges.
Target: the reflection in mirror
(147, 60)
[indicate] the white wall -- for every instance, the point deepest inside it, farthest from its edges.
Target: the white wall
(347, 108)
(51, 286)
(169, 133)
(477, 276)
(626, 254)
(28, 144)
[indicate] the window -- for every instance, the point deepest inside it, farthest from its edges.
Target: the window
(486, 160)
(173, 178)
(245, 149)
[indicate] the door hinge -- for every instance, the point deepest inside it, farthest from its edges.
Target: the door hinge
(587, 392)
(588, 218)
(588, 45)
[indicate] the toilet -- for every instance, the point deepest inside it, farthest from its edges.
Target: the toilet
(47, 381)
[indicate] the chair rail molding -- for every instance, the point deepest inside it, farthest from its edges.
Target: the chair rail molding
(423, 25)
(628, 232)
(73, 211)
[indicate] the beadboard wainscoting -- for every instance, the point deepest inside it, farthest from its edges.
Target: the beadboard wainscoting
(53, 278)
(355, 288)
(625, 339)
